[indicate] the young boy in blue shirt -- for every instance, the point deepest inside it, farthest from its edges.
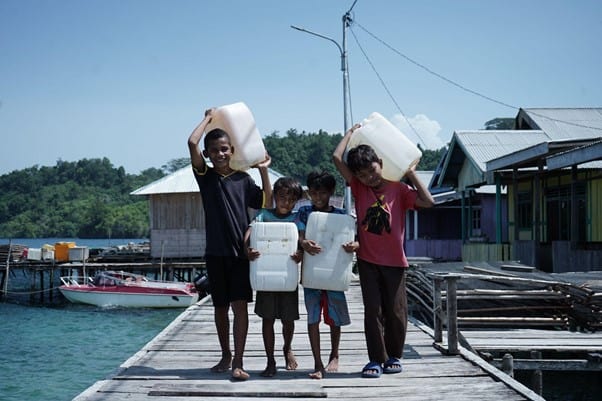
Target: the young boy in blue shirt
(332, 304)
(283, 305)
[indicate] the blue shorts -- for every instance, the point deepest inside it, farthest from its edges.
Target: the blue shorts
(332, 304)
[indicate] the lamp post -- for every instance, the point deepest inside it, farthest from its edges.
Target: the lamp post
(346, 101)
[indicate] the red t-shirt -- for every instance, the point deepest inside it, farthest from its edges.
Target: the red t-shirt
(381, 221)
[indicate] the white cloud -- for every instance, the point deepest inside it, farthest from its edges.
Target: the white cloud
(428, 130)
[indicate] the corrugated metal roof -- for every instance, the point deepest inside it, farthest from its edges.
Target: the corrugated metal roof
(566, 123)
(183, 181)
(482, 146)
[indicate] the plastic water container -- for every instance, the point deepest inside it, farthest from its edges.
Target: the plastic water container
(79, 253)
(61, 251)
(331, 268)
(397, 152)
(237, 120)
(34, 254)
(274, 270)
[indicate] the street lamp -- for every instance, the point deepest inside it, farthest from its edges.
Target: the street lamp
(346, 101)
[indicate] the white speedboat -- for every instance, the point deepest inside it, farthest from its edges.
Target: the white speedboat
(112, 288)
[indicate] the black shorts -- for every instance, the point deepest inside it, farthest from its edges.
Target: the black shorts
(228, 279)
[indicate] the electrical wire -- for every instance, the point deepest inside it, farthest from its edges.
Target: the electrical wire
(462, 87)
(386, 88)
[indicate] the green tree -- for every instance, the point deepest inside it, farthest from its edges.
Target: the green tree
(500, 123)
(176, 164)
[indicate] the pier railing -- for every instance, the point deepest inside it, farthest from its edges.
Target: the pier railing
(445, 291)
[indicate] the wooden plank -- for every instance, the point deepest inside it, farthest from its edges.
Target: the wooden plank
(246, 389)
(175, 366)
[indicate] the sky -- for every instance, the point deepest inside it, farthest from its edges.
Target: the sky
(130, 79)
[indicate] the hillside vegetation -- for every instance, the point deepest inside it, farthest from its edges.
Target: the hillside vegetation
(90, 198)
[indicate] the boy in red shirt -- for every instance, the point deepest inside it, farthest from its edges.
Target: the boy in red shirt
(381, 207)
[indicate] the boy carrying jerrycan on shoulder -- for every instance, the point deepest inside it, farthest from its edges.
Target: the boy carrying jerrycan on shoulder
(380, 204)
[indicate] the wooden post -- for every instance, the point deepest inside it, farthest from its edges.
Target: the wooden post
(51, 287)
(537, 376)
(161, 263)
(574, 224)
(41, 285)
(452, 315)
(463, 217)
(437, 310)
(5, 278)
(515, 196)
(498, 210)
(32, 285)
(537, 214)
(508, 365)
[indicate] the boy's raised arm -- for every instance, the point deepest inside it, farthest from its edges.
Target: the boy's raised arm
(424, 199)
(196, 157)
(337, 156)
(266, 186)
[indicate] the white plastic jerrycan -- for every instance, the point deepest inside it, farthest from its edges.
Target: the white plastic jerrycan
(397, 152)
(331, 268)
(237, 120)
(274, 270)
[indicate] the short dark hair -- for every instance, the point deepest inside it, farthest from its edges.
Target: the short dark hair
(361, 157)
(289, 185)
(214, 135)
(321, 179)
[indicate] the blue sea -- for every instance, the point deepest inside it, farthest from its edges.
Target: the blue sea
(55, 352)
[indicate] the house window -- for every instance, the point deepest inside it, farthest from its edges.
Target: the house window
(525, 211)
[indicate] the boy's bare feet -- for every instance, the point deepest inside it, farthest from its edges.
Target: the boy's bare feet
(223, 365)
(318, 374)
(270, 369)
(239, 374)
(333, 365)
(289, 357)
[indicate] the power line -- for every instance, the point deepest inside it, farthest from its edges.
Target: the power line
(386, 88)
(449, 81)
(460, 86)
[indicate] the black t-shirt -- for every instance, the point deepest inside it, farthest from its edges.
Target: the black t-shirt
(226, 200)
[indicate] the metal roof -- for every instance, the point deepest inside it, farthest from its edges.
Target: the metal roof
(540, 132)
(482, 146)
(479, 147)
(183, 181)
(563, 123)
(532, 155)
(578, 155)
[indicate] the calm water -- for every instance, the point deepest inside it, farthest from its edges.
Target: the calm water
(55, 353)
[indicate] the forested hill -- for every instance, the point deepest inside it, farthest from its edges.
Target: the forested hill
(90, 198)
(87, 198)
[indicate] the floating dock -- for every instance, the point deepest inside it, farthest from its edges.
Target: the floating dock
(175, 366)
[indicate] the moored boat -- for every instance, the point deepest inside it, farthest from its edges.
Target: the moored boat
(118, 288)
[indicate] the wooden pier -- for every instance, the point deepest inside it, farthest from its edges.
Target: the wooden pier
(175, 366)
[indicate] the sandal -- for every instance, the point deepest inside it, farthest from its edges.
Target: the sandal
(372, 370)
(393, 365)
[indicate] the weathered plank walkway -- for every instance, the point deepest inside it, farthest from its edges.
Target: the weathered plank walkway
(175, 366)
